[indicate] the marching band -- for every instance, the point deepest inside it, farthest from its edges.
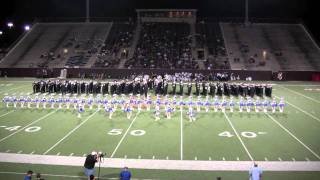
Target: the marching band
(160, 104)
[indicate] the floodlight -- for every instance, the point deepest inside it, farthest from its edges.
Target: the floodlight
(10, 24)
(27, 27)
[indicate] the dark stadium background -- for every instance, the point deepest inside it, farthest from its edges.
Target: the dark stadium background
(25, 11)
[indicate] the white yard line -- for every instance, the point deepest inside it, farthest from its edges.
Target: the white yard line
(52, 175)
(72, 131)
(163, 164)
(14, 88)
(124, 135)
(300, 94)
(6, 113)
(41, 118)
(181, 135)
(292, 135)
(235, 131)
(297, 85)
(305, 112)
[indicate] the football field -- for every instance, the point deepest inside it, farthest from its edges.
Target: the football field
(292, 136)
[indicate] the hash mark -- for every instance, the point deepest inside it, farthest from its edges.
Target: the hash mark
(139, 157)
(262, 132)
(209, 158)
(19, 152)
(195, 158)
(307, 159)
(223, 159)
(58, 153)
(238, 159)
(265, 159)
(32, 152)
(167, 158)
(279, 159)
(293, 159)
(71, 154)
(153, 157)
(84, 155)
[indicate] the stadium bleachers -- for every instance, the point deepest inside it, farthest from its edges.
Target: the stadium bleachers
(166, 45)
(211, 38)
(287, 47)
(53, 44)
(120, 36)
(163, 45)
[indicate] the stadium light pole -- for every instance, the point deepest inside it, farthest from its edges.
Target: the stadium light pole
(87, 10)
(246, 20)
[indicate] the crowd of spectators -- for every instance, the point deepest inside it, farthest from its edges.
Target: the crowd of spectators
(120, 37)
(163, 45)
(209, 34)
(84, 50)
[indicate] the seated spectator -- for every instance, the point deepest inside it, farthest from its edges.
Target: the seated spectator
(125, 174)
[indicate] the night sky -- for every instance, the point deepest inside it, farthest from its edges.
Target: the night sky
(27, 10)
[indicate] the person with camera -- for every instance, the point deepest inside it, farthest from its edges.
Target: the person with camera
(90, 162)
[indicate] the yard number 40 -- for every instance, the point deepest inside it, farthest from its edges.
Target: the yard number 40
(246, 134)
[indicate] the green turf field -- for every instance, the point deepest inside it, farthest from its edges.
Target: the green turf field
(214, 136)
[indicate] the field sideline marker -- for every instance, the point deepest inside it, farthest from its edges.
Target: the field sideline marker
(163, 164)
(312, 99)
(181, 136)
(301, 110)
(67, 135)
(41, 118)
(235, 131)
(6, 113)
(58, 175)
(285, 129)
(19, 87)
(124, 135)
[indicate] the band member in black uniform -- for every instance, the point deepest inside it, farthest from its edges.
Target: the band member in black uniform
(134, 88)
(46, 86)
(104, 88)
(251, 90)
(42, 87)
(268, 90)
(245, 90)
(174, 86)
(78, 84)
(226, 89)
(212, 89)
(34, 87)
(219, 89)
(197, 93)
(204, 90)
(181, 88)
(86, 88)
(235, 90)
(258, 90)
(189, 88)
(145, 89)
(63, 88)
(165, 88)
(82, 87)
(118, 88)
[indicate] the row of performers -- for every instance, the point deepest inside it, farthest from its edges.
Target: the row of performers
(110, 105)
(162, 87)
